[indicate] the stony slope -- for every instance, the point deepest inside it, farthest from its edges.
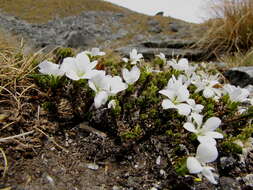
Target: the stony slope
(107, 26)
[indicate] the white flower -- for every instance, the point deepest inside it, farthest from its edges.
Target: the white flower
(251, 101)
(236, 94)
(196, 108)
(79, 67)
(150, 70)
(49, 68)
(181, 65)
(98, 82)
(95, 52)
(205, 153)
(131, 76)
(177, 94)
(116, 84)
(162, 57)
(105, 86)
(209, 85)
(205, 133)
(134, 57)
(101, 98)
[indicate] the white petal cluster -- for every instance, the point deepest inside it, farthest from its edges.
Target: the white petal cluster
(206, 153)
(134, 57)
(209, 85)
(105, 86)
(162, 57)
(205, 132)
(131, 76)
(78, 67)
(176, 92)
(75, 68)
(177, 96)
(95, 52)
(236, 94)
(49, 68)
(182, 65)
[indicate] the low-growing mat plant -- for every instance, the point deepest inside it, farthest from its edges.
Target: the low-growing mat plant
(130, 108)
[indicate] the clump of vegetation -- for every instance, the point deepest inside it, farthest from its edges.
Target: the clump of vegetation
(232, 29)
(130, 100)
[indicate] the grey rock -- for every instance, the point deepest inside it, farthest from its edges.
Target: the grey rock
(248, 70)
(77, 39)
(120, 34)
(154, 26)
(175, 27)
(169, 43)
(85, 29)
(248, 180)
(227, 163)
(161, 13)
(240, 76)
(139, 37)
(228, 183)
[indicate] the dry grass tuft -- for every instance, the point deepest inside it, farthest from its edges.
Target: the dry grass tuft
(238, 59)
(31, 10)
(232, 30)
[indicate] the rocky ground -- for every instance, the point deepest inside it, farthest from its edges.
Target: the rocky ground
(66, 152)
(106, 30)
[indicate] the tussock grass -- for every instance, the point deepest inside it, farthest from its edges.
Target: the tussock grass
(238, 59)
(232, 30)
(31, 10)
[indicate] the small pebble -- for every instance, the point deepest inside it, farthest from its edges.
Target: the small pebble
(92, 166)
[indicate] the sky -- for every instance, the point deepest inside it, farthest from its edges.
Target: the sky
(189, 10)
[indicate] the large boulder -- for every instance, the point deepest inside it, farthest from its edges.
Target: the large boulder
(240, 76)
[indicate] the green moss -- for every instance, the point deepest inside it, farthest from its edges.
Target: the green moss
(229, 146)
(62, 53)
(133, 134)
(246, 133)
(180, 166)
(159, 62)
(49, 106)
(172, 134)
(48, 81)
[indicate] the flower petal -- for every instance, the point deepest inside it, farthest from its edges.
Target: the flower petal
(167, 104)
(190, 127)
(208, 174)
(183, 109)
(206, 153)
(100, 98)
(49, 68)
(208, 92)
(169, 93)
(215, 135)
(206, 139)
(193, 165)
(125, 60)
(131, 76)
(211, 124)
(197, 118)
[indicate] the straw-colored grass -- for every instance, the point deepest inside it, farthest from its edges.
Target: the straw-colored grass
(31, 10)
(232, 30)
